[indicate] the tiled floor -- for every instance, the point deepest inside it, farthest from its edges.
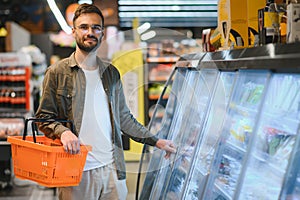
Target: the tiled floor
(27, 190)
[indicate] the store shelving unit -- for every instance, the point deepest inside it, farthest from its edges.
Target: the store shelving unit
(158, 68)
(160, 58)
(15, 105)
(14, 83)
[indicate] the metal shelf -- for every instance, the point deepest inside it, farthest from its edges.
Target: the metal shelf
(275, 57)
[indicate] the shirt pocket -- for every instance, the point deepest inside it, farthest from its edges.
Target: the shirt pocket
(64, 100)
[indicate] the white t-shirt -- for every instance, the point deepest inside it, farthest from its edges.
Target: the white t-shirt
(96, 125)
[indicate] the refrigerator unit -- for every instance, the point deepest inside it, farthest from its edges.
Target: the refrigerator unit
(205, 150)
(274, 141)
(165, 114)
(236, 123)
(236, 134)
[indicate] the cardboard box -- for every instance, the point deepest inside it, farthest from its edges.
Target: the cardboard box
(293, 23)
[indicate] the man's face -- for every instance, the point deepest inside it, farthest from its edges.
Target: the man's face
(88, 32)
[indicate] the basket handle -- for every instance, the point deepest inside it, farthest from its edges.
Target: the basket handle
(35, 129)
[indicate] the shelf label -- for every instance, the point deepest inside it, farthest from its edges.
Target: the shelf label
(14, 59)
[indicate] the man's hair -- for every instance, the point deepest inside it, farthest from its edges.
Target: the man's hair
(87, 8)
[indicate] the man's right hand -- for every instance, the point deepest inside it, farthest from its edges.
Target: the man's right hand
(70, 142)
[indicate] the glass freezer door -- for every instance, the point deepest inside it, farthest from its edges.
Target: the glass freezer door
(291, 187)
(161, 127)
(240, 120)
(185, 132)
(210, 135)
(274, 141)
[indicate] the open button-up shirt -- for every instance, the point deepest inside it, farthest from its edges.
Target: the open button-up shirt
(63, 97)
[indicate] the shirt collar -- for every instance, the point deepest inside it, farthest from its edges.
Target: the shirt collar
(72, 61)
(102, 65)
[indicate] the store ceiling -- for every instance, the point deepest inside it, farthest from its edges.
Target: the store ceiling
(36, 16)
(169, 13)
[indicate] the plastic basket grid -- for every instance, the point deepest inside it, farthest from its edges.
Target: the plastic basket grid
(45, 161)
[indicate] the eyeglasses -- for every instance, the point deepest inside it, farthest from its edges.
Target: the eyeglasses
(84, 28)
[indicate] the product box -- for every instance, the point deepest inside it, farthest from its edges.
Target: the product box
(210, 40)
(269, 26)
(252, 11)
(233, 23)
(293, 23)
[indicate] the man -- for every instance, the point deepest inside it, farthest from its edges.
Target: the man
(89, 92)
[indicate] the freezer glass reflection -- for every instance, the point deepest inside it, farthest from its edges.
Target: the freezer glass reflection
(185, 132)
(275, 139)
(210, 134)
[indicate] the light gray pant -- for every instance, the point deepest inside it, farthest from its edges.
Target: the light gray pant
(96, 184)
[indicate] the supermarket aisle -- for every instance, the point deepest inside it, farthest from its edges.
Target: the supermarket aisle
(26, 190)
(132, 169)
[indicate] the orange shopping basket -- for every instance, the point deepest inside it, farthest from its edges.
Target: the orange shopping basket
(43, 160)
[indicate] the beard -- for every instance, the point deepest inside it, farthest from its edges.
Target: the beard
(88, 47)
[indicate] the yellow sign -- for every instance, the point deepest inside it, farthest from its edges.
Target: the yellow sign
(3, 32)
(130, 65)
(135, 25)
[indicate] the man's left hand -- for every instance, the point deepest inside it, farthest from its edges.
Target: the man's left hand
(166, 145)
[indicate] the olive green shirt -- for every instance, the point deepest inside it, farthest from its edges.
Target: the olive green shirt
(63, 97)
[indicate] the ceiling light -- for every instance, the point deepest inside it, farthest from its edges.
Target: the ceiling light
(148, 35)
(85, 1)
(61, 20)
(144, 27)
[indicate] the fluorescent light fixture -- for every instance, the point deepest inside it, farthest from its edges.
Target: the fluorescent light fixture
(168, 14)
(85, 1)
(59, 17)
(199, 8)
(148, 35)
(165, 2)
(175, 8)
(144, 27)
